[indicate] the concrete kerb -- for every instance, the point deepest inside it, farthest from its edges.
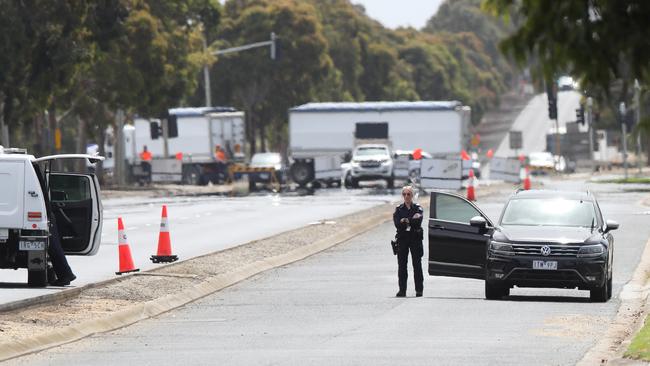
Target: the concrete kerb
(135, 313)
(629, 318)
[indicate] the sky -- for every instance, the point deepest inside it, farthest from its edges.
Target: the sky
(396, 13)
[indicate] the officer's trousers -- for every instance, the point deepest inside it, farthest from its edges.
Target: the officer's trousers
(417, 251)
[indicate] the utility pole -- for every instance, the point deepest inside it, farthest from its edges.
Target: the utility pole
(206, 79)
(206, 72)
(590, 121)
(637, 102)
(622, 111)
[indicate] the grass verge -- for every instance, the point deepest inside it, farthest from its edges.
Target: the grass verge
(639, 349)
(640, 180)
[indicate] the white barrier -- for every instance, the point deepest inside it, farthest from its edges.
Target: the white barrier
(506, 169)
(441, 174)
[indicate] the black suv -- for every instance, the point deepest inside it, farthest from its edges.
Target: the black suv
(543, 239)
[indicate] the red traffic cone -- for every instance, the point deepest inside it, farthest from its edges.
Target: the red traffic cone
(164, 242)
(471, 196)
(526, 179)
(126, 261)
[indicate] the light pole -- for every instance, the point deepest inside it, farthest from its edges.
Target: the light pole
(206, 72)
(622, 111)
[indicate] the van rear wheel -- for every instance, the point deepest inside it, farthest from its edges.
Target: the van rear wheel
(37, 278)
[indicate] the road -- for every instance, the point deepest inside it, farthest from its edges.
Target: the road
(534, 123)
(338, 308)
(198, 226)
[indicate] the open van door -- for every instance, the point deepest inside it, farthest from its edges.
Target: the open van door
(457, 248)
(75, 201)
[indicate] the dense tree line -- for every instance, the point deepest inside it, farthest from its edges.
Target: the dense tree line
(75, 63)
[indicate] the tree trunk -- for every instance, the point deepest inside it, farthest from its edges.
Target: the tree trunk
(262, 128)
(53, 126)
(4, 129)
(81, 143)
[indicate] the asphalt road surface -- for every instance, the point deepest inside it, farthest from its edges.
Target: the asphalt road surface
(338, 307)
(534, 123)
(198, 226)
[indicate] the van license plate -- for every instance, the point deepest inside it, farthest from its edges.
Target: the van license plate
(31, 245)
(545, 265)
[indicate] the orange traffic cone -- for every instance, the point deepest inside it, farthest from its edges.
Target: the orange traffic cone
(126, 261)
(471, 196)
(164, 242)
(526, 179)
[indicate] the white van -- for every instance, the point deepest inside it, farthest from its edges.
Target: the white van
(30, 193)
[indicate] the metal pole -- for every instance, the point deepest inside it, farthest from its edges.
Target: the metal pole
(165, 131)
(206, 79)
(637, 102)
(624, 137)
(558, 150)
(590, 104)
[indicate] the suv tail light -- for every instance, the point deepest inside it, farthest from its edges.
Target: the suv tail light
(34, 216)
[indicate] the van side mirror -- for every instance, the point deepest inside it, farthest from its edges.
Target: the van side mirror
(478, 222)
(610, 225)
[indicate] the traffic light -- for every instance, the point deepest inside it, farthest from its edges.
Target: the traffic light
(580, 115)
(552, 101)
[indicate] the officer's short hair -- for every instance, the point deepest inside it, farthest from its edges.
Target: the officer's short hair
(408, 188)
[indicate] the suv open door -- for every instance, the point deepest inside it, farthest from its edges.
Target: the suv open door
(75, 202)
(456, 247)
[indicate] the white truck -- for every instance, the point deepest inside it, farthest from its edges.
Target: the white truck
(33, 199)
(187, 154)
(321, 134)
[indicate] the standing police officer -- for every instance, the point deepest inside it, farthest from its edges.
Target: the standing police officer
(408, 222)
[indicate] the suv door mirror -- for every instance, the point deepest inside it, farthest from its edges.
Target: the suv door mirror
(478, 221)
(610, 225)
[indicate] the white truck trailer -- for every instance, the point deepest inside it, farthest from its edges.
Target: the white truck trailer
(183, 148)
(321, 134)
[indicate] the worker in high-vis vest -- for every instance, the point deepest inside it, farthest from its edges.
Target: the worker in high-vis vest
(145, 162)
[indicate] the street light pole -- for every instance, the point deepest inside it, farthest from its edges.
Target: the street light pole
(206, 79)
(206, 71)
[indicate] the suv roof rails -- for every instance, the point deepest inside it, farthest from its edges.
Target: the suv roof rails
(13, 150)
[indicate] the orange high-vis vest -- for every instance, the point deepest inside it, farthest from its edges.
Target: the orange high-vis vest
(145, 156)
(221, 156)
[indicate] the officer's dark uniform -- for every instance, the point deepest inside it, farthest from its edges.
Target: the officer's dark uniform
(409, 239)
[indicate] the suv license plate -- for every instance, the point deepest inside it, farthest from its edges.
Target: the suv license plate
(31, 245)
(545, 265)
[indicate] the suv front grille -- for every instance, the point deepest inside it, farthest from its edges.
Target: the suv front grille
(370, 164)
(557, 250)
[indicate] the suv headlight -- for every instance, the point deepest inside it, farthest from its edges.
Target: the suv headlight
(587, 251)
(386, 162)
(501, 248)
(354, 164)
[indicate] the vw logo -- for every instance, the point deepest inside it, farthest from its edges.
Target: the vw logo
(546, 250)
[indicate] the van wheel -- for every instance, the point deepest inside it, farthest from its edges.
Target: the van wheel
(301, 173)
(390, 182)
(37, 278)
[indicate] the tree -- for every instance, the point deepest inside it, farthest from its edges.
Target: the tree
(263, 88)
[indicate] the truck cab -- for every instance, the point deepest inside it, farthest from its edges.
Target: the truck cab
(33, 199)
